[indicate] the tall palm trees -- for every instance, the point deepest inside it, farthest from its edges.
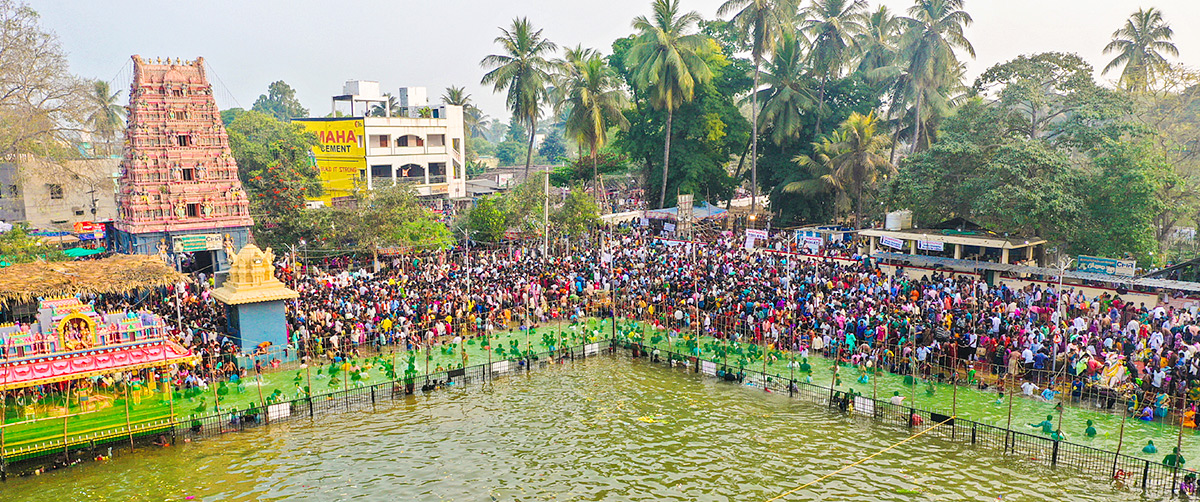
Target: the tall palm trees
(592, 94)
(1140, 46)
(876, 44)
(860, 160)
(107, 117)
(667, 65)
(788, 94)
(762, 21)
(832, 24)
(821, 177)
(523, 71)
(933, 30)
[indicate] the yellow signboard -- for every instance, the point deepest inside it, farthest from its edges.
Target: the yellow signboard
(337, 137)
(340, 153)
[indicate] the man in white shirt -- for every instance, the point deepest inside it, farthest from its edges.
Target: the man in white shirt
(1028, 388)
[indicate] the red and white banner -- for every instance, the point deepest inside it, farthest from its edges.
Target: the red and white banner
(79, 364)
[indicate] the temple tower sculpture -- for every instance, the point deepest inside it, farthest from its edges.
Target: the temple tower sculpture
(179, 195)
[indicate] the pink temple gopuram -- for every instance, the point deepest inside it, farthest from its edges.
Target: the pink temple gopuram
(180, 195)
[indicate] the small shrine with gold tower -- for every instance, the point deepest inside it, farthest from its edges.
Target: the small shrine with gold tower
(255, 300)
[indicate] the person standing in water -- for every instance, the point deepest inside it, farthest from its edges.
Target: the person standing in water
(1174, 459)
(1047, 425)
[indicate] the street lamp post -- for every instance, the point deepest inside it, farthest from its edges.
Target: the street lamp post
(1062, 314)
(545, 216)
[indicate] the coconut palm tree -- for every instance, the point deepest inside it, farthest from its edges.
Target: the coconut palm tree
(876, 45)
(819, 169)
(933, 30)
(477, 122)
(668, 65)
(832, 24)
(1140, 46)
(107, 117)
(457, 96)
(861, 160)
(761, 22)
(390, 107)
(566, 70)
(788, 94)
(593, 99)
(523, 71)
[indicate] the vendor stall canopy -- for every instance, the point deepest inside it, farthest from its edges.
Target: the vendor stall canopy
(118, 274)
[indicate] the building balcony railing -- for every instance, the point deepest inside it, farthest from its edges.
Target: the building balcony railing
(406, 150)
(385, 181)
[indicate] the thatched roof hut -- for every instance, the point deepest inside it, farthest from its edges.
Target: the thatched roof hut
(117, 274)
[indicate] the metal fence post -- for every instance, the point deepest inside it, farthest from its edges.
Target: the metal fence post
(1146, 475)
(1054, 454)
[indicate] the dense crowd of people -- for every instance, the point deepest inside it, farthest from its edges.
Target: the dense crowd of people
(1053, 344)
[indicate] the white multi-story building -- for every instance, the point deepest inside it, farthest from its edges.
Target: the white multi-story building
(422, 146)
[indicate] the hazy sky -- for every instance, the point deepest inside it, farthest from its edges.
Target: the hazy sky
(317, 45)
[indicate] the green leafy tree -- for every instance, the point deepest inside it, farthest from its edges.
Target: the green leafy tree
(845, 96)
(107, 119)
(277, 171)
(472, 117)
(19, 246)
(876, 46)
(667, 65)
(519, 210)
(1124, 200)
(578, 213)
(280, 102)
(523, 71)
(1027, 187)
(1139, 46)
(486, 220)
(607, 161)
(1168, 116)
(762, 22)
(552, 148)
(509, 152)
(229, 114)
(388, 217)
(1039, 91)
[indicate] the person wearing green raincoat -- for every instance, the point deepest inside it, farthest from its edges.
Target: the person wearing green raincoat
(1091, 429)
(1047, 425)
(1174, 459)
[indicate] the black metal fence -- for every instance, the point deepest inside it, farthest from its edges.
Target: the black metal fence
(1127, 471)
(1122, 470)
